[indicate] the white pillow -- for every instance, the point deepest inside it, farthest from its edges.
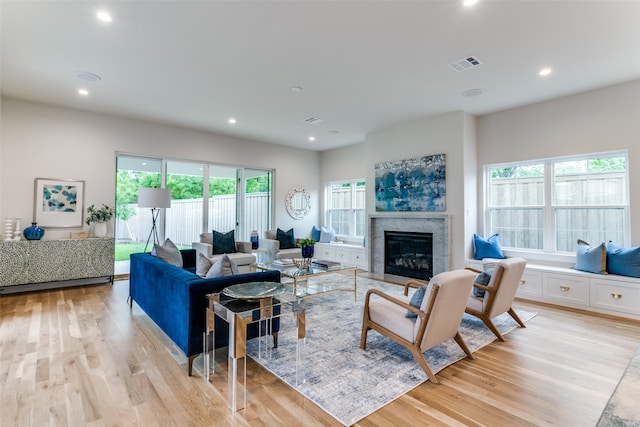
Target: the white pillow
(168, 252)
(203, 265)
(223, 267)
(326, 234)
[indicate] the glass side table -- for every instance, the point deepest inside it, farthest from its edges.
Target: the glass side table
(238, 306)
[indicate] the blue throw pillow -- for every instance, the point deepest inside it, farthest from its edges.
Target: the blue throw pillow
(487, 248)
(286, 239)
(625, 262)
(591, 258)
(224, 243)
(482, 279)
(416, 301)
(315, 233)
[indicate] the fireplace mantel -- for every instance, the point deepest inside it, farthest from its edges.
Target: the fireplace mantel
(437, 224)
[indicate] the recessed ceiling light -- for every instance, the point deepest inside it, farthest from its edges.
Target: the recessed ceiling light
(545, 72)
(469, 2)
(88, 77)
(312, 138)
(83, 92)
(473, 92)
(103, 16)
(296, 89)
(232, 121)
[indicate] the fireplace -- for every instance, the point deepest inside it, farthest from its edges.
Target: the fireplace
(435, 224)
(408, 254)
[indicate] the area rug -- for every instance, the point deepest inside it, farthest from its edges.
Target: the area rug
(623, 409)
(350, 383)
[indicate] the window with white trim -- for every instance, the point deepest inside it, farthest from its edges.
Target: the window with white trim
(346, 207)
(547, 205)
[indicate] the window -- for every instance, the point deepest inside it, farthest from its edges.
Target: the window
(238, 199)
(346, 207)
(548, 205)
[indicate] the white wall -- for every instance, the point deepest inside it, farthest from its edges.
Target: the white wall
(595, 121)
(41, 141)
(340, 164)
(432, 135)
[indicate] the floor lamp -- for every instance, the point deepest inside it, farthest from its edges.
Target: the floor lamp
(156, 199)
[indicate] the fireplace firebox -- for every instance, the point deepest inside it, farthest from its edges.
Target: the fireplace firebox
(408, 254)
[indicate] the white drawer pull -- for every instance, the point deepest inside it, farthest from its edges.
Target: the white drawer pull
(616, 296)
(565, 288)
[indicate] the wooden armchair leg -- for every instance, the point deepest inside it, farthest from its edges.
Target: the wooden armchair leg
(491, 326)
(275, 339)
(417, 354)
(513, 314)
(463, 345)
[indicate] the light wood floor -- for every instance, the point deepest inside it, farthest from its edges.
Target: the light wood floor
(80, 357)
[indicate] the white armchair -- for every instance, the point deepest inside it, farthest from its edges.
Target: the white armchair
(243, 257)
(273, 246)
(437, 320)
(499, 293)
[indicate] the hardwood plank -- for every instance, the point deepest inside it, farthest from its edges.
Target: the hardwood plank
(80, 356)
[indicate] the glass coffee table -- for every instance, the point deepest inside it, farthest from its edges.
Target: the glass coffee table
(240, 305)
(303, 281)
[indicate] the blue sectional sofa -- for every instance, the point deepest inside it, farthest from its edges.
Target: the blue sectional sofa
(174, 298)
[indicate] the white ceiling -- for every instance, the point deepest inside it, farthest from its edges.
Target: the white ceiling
(363, 65)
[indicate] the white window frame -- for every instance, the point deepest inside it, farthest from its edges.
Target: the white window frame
(352, 210)
(549, 251)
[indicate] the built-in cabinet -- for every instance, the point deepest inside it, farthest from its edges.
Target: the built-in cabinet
(344, 253)
(609, 294)
(29, 263)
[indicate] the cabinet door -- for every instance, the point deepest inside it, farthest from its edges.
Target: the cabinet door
(566, 289)
(342, 255)
(325, 252)
(616, 296)
(357, 258)
(530, 285)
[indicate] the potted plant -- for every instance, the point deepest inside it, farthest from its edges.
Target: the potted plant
(99, 217)
(307, 247)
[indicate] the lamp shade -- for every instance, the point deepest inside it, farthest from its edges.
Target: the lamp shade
(154, 198)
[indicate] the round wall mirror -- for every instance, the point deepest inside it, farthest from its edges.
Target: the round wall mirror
(298, 202)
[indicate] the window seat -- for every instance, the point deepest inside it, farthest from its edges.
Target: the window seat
(602, 293)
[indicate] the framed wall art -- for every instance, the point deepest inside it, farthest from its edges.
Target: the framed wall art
(58, 202)
(416, 184)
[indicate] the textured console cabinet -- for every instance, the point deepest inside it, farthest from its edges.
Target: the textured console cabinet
(44, 261)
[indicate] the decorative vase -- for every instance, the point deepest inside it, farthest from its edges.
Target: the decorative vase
(34, 232)
(307, 252)
(100, 229)
(255, 243)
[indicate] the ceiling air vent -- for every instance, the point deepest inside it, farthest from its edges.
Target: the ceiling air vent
(312, 120)
(465, 63)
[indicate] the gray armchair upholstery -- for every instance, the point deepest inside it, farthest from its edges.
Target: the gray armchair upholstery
(273, 246)
(243, 258)
(438, 318)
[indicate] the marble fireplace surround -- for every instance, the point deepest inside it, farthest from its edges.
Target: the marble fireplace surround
(437, 224)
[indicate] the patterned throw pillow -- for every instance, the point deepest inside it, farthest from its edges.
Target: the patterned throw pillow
(224, 243)
(286, 239)
(168, 252)
(591, 258)
(416, 301)
(223, 267)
